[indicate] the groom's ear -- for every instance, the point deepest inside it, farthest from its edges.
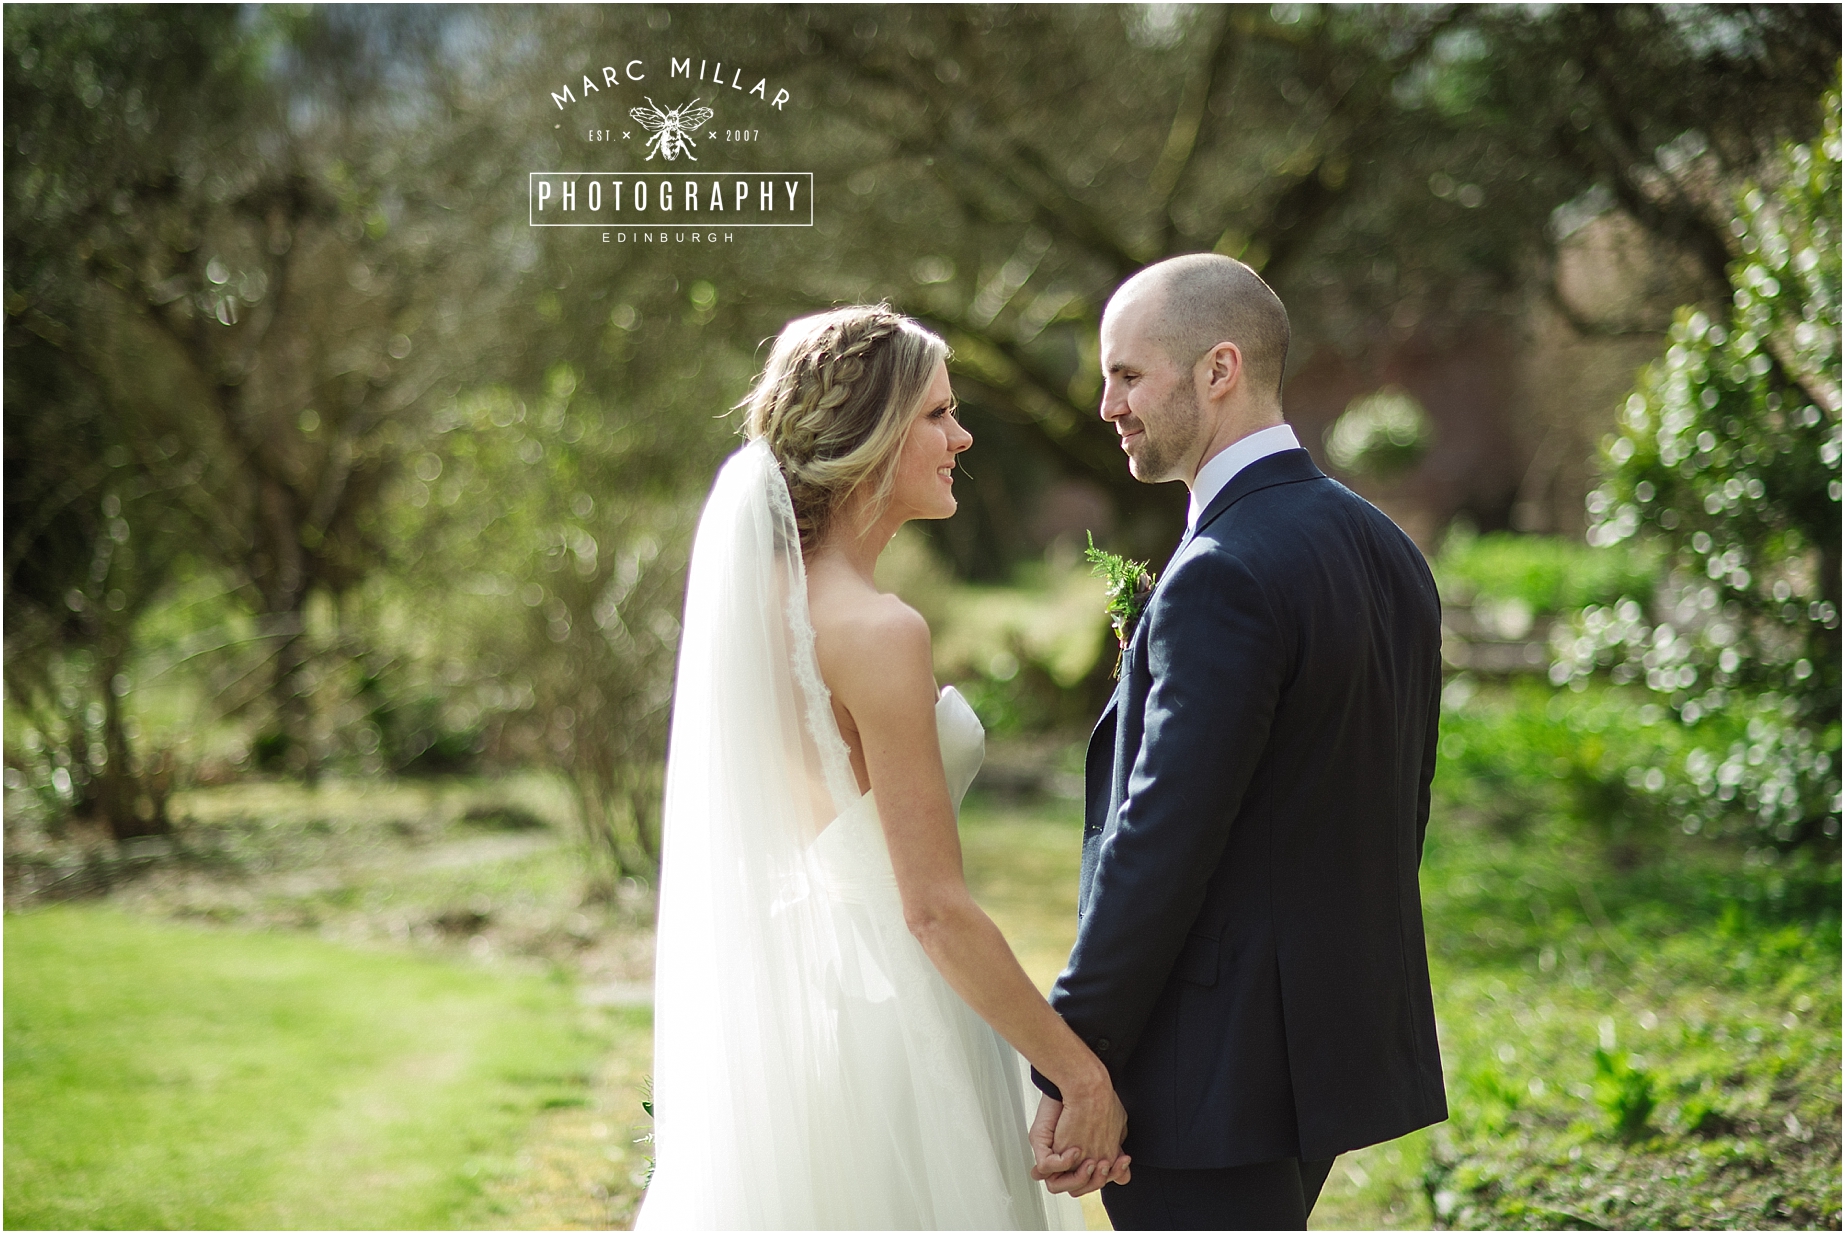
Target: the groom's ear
(1223, 368)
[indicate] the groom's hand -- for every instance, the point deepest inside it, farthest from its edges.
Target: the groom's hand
(1063, 1172)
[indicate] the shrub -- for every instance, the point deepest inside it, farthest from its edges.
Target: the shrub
(1727, 458)
(1547, 574)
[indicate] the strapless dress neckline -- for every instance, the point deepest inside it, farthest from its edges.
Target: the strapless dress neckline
(850, 853)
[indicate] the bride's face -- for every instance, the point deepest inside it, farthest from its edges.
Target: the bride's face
(925, 484)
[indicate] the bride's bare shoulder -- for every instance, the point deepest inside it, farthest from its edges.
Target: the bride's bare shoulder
(860, 633)
(849, 621)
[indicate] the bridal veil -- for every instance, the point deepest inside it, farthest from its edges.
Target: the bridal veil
(812, 1069)
(742, 1115)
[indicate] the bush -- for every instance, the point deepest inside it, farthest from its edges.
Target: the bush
(1547, 574)
(1727, 458)
(1523, 754)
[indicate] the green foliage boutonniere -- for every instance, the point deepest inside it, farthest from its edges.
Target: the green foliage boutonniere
(1130, 583)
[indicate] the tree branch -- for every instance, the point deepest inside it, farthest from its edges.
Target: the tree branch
(1182, 139)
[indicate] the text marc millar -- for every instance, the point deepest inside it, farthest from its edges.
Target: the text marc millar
(635, 71)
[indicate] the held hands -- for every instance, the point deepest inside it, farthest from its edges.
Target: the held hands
(1061, 1136)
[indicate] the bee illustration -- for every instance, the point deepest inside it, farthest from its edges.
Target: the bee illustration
(672, 130)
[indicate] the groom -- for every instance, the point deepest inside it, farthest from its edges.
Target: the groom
(1250, 962)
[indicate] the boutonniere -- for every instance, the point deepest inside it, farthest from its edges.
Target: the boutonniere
(1129, 584)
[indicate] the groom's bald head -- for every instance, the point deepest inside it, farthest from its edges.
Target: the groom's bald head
(1202, 299)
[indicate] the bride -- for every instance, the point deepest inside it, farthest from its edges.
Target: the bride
(832, 1009)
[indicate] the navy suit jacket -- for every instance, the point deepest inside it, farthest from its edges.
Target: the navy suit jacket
(1250, 962)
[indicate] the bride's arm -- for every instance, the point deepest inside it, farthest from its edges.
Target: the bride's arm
(878, 668)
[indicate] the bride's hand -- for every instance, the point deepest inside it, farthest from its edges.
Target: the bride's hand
(1046, 1163)
(1092, 1124)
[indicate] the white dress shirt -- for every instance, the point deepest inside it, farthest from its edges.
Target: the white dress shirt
(1223, 466)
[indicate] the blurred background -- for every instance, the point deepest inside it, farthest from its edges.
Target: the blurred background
(346, 519)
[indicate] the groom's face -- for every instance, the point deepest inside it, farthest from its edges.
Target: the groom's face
(1149, 396)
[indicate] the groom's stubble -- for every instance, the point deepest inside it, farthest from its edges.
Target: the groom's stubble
(1168, 428)
(1159, 326)
(1171, 437)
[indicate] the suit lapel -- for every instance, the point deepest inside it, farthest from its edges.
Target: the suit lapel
(1108, 709)
(1285, 467)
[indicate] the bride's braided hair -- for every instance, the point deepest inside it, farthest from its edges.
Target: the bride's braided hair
(834, 403)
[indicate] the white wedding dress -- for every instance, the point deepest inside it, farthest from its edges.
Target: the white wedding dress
(812, 1069)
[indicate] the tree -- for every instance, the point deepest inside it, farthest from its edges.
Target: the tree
(1388, 169)
(261, 320)
(1728, 453)
(257, 259)
(95, 529)
(539, 574)
(92, 544)
(257, 240)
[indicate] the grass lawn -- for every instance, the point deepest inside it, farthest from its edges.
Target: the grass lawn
(166, 1075)
(1022, 865)
(345, 1020)
(1654, 1048)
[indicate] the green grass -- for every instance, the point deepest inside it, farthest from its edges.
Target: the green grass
(1648, 1043)
(1548, 574)
(1640, 1027)
(1022, 866)
(163, 1075)
(1649, 1048)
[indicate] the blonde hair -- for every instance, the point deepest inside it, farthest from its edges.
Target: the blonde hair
(834, 404)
